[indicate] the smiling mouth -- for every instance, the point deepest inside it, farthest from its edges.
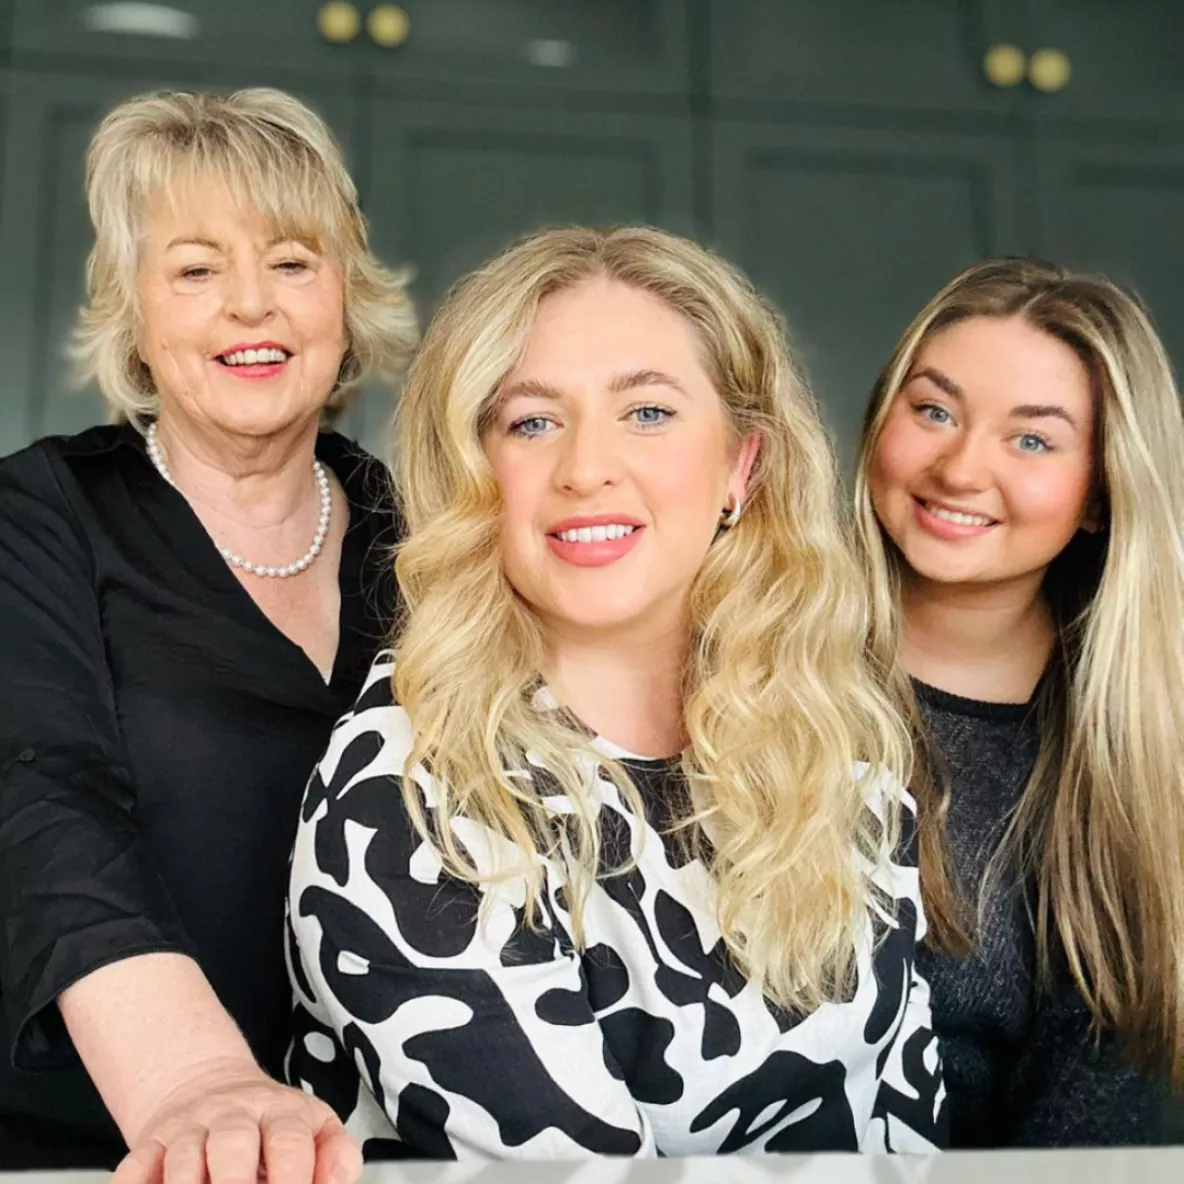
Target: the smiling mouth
(957, 517)
(595, 534)
(268, 356)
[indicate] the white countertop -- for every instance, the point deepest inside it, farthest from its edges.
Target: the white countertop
(1112, 1166)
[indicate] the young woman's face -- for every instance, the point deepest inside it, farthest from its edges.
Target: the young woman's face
(983, 470)
(615, 458)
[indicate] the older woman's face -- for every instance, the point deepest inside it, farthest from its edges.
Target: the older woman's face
(243, 332)
(615, 460)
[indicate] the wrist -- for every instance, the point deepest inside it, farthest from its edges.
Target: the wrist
(163, 1093)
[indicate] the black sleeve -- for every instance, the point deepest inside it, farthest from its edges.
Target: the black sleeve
(76, 892)
(1072, 1088)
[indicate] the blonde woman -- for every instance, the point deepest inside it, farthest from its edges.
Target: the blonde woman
(1021, 498)
(188, 599)
(606, 858)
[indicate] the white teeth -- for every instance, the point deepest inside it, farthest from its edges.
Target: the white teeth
(254, 357)
(958, 518)
(596, 534)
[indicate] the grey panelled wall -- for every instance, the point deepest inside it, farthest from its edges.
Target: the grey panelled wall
(1114, 202)
(451, 184)
(850, 231)
(850, 154)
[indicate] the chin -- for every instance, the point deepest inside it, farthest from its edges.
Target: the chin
(937, 574)
(263, 419)
(598, 617)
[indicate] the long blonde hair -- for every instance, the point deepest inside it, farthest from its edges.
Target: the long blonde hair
(779, 704)
(1100, 825)
(276, 156)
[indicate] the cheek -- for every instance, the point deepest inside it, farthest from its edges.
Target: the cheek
(900, 456)
(176, 326)
(690, 478)
(1054, 498)
(320, 317)
(523, 481)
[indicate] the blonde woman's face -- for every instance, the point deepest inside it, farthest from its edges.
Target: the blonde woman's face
(983, 470)
(615, 461)
(242, 332)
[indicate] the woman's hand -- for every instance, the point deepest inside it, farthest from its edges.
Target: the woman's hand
(232, 1124)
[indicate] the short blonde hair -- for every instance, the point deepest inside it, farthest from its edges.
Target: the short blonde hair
(779, 704)
(276, 156)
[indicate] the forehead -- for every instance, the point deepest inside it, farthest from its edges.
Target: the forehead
(1007, 360)
(207, 204)
(603, 325)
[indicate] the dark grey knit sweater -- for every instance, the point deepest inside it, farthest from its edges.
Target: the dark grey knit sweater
(1021, 1067)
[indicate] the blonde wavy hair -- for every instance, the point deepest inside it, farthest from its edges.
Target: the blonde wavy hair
(1100, 825)
(779, 704)
(275, 156)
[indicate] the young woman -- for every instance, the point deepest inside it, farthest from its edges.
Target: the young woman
(606, 858)
(1021, 500)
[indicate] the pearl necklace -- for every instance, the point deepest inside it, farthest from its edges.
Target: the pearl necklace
(232, 557)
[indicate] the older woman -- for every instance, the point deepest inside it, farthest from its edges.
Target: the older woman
(607, 857)
(188, 600)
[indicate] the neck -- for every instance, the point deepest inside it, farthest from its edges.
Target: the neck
(252, 481)
(628, 690)
(986, 642)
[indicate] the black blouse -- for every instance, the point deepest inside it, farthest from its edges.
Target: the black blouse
(156, 734)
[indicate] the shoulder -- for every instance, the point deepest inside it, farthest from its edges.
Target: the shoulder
(63, 452)
(365, 479)
(49, 489)
(56, 468)
(884, 794)
(370, 491)
(374, 736)
(894, 807)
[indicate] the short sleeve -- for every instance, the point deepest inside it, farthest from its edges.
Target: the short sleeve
(75, 890)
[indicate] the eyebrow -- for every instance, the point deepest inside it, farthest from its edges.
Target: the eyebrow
(631, 380)
(939, 379)
(636, 378)
(189, 240)
(530, 388)
(1042, 411)
(1023, 411)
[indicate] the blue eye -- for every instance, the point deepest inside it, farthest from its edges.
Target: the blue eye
(651, 415)
(530, 425)
(1030, 442)
(933, 413)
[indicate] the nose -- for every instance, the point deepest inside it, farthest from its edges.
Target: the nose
(963, 465)
(249, 292)
(587, 459)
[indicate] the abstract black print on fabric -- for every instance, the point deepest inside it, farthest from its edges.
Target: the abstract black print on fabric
(419, 1024)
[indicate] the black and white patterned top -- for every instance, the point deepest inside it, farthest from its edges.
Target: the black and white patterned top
(438, 1034)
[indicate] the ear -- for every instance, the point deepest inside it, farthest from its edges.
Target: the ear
(1093, 520)
(746, 456)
